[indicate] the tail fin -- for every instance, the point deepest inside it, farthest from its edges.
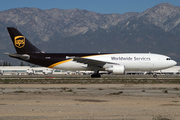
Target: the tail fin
(21, 44)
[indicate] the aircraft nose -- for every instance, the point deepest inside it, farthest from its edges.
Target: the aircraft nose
(174, 62)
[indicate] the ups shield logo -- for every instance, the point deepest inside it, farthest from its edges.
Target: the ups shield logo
(19, 41)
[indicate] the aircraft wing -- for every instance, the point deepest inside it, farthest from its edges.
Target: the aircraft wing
(91, 62)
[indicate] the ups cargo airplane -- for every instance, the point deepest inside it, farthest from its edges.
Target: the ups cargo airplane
(116, 63)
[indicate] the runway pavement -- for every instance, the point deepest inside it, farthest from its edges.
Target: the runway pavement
(86, 79)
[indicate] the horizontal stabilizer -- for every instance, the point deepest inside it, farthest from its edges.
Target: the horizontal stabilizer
(23, 56)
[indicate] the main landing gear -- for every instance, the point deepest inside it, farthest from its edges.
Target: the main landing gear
(96, 74)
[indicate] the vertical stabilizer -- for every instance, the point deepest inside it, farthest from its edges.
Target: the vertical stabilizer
(21, 43)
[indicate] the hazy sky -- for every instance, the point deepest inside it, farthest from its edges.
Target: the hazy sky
(99, 6)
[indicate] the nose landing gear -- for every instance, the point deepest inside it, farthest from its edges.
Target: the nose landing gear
(155, 75)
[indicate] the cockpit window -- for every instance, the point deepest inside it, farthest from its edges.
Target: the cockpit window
(168, 58)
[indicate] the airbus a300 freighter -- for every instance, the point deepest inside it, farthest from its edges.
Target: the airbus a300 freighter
(116, 63)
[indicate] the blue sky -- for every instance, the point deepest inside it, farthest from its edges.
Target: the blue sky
(99, 6)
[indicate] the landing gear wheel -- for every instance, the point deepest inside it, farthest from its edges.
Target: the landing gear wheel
(95, 75)
(155, 76)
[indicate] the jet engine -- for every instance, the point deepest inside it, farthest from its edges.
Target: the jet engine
(116, 69)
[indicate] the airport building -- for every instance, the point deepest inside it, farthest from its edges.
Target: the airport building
(172, 70)
(13, 70)
(27, 70)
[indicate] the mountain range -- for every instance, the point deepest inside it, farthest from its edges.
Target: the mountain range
(155, 30)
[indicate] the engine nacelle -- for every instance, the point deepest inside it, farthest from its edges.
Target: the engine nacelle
(116, 69)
